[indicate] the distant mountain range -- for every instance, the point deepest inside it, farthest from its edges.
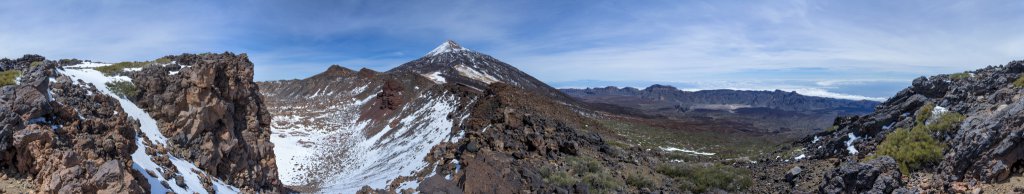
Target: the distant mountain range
(771, 111)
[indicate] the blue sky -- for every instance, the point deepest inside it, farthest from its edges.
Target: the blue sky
(849, 49)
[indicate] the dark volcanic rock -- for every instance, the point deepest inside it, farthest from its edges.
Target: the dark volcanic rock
(881, 175)
(985, 148)
(213, 115)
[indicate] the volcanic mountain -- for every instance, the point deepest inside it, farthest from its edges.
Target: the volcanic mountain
(450, 62)
(452, 121)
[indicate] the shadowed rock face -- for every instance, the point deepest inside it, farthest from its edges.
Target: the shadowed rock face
(213, 115)
(62, 139)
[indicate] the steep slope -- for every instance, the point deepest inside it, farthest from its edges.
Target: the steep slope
(58, 137)
(450, 62)
(98, 119)
(945, 133)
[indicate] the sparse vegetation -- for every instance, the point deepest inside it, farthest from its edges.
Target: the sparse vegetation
(924, 113)
(959, 76)
(915, 148)
(946, 122)
(163, 60)
(124, 89)
(35, 63)
(119, 67)
(585, 170)
(703, 178)
(8, 77)
(912, 149)
(655, 138)
(638, 181)
(833, 128)
(1019, 83)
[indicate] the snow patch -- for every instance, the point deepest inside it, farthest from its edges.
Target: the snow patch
(673, 149)
(474, 74)
(436, 77)
(849, 143)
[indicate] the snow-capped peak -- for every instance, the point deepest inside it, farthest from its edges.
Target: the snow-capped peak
(447, 46)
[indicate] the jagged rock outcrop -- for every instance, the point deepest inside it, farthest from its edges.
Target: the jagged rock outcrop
(213, 115)
(512, 138)
(62, 138)
(983, 147)
(880, 176)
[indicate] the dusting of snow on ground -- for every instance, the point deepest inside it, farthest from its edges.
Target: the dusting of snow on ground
(816, 139)
(436, 77)
(801, 156)
(474, 74)
(379, 159)
(142, 161)
(849, 143)
(673, 149)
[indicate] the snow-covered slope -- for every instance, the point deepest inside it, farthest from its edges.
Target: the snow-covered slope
(150, 138)
(334, 134)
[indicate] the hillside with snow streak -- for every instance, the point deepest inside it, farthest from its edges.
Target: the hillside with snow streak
(191, 177)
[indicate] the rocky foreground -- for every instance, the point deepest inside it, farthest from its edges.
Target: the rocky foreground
(947, 134)
(68, 128)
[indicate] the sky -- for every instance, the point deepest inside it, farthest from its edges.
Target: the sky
(845, 49)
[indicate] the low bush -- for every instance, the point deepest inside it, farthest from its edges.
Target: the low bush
(124, 89)
(700, 179)
(946, 122)
(924, 113)
(119, 67)
(602, 182)
(35, 63)
(1020, 82)
(561, 178)
(912, 149)
(8, 77)
(638, 181)
(959, 76)
(163, 60)
(585, 165)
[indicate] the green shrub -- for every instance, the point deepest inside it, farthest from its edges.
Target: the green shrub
(561, 178)
(924, 113)
(946, 122)
(35, 63)
(8, 77)
(833, 128)
(638, 181)
(601, 182)
(912, 149)
(699, 179)
(163, 60)
(119, 67)
(1020, 82)
(123, 89)
(959, 76)
(584, 164)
